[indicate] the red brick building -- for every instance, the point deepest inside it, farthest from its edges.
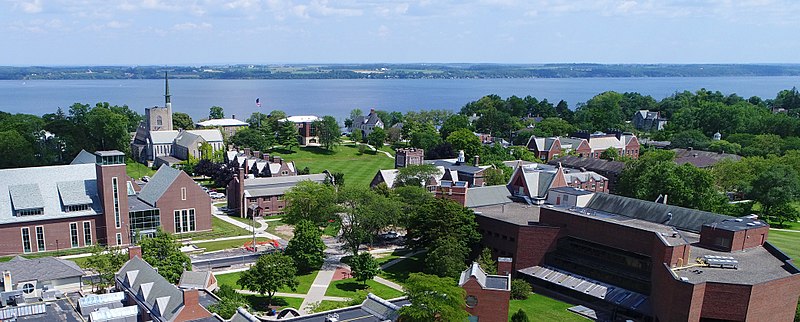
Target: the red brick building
(306, 129)
(647, 261)
(533, 181)
(584, 144)
(94, 202)
(487, 295)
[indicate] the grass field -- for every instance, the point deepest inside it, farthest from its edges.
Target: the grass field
(348, 288)
(226, 244)
(219, 229)
(385, 258)
(246, 221)
(137, 170)
(399, 272)
(357, 169)
(787, 241)
(272, 228)
(259, 303)
(542, 308)
(302, 288)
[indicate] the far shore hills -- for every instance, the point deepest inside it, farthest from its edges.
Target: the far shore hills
(395, 71)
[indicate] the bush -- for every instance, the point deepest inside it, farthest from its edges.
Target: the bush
(362, 148)
(520, 289)
(520, 316)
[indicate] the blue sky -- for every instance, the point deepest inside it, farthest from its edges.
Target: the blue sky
(161, 32)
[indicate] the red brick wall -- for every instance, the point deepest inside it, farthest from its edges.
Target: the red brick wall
(195, 198)
(775, 300)
(674, 300)
(726, 301)
(457, 194)
(270, 205)
(492, 305)
(56, 234)
(534, 242)
(105, 173)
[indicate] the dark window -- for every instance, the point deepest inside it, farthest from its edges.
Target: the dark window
(73, 234)
(26, 240)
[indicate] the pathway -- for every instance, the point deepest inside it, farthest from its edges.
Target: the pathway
(260, 231)
(333, 260)
(788, 230)
(399, 259)
(381, 151)
(298, 296)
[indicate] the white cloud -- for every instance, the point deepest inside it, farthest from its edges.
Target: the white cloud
(191, 26)
(114, 24)
(384, 31)
(34, 6)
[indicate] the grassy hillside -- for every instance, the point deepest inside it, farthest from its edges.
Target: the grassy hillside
(357, 168)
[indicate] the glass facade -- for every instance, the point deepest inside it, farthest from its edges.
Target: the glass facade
(144, 221)
(73, 234)
(117, 220)
(26, 240)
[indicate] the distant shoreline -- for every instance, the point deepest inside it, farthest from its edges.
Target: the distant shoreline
(397, 71)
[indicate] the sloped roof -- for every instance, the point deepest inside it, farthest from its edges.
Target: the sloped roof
(371, 119)
(702, 159)
(194, 279)
(222, 122)
(152, 288)
(187, 139)
(212, 135)
(84, 157)
(602, 165)
(494, 282)
(18, 186)
(40, 269)
(682, 218)
(572, 176)
(301, 118)
(603, 143)
(486, 196)
(273, 186)
(163, 137)
(159, 184)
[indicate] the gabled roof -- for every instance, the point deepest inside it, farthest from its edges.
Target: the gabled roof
(681, 218)
(150, 287)
(187, 139)
(572, 176)
(486, 196)
(159, 184)
(84, 157)
(301, 118)
(163, 137)
(222, 122)
(43, 187)
(212, 135)
(371, 119)
(194, 279)
(40, 269)
(702, 159)
(603, 143)
(492, 282)
(274, 186)
(592, 164)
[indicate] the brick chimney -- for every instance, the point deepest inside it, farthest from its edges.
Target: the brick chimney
(265, 157)
(257, 154)
(476, 162)
(504, 265)
(134, 251)
(247, 152)
(277, 159)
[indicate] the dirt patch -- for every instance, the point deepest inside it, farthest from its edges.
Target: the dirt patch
(285, 231)
(341, 274)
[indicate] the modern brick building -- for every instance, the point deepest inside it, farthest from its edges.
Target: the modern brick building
(634, 259)
(487, 295)
(83, 204)
(584, 144)
(306, 129)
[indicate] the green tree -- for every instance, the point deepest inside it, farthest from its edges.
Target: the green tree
(107, 130)
(259, 120)
(553, 126)
(723, 146)
(433, 298)
(216, 112)
(777, 186)
(454, 123)
(17, 152)
(467, 141)
(182, 121)
(251, 138)
(441, 218)
(328, 131)
(415, 175)
(364, 214)
(310, 201)
(689, 139)
(356, 136)
(230, 301)
(288, 135)
(105, 262)
(423, 136)
(163, 252)
(498, 175)
(364, 267)
(782, 213)
(354, 113)
(601, 113)
(610, 154)
(520, 316)
(446, 257)
(520, 289)
(306, 247)
(376, 138)
(270, 273)
(488, 264)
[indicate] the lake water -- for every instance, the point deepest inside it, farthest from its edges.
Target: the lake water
(338, 96)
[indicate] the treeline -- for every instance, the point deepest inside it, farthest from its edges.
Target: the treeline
(396, 71)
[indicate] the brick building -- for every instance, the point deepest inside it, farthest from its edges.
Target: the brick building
(83, 204)
(408, 156)
(487, 295)
(584, 144)
(609, 169)
(260, 164)
(641, 260)
(533, 181)
(306, 129)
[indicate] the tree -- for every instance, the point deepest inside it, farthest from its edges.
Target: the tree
(364, 214)
(601, 113)
(488, 264)
(446, 257)
(251, 138)
(689, 139)
(270, 273)
(355, 113)
(415, 175)
(520, 316)
(356, 136)
(288, 135)
(783, 213)
(105, 262)
(610, 154)
(328, 131)
(520, 289)
(393, 135)
(553, 126)
(163, 253)
(497, 176)
(259, 120)
(424, 137)
(376, 138)
(454, 123)
(230, 301)
(441, 218)
(433, 299)
(777, 186)
(465, 140)
(216, 112)
(310, 201)
(723, 146)
(182, 121)
(364, 267)
(22, 150)
(107, 130)
(306, 247)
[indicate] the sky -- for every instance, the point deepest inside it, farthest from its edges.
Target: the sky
(207, 32)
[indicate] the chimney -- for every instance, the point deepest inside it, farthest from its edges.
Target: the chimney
(191, 297)
(476, 161)
(233, 116)
(371, 111)
(265, 157)
(7, 284)
(504, 265)
(247, 152)
(277, 159)
(257, 154)
(134, 251)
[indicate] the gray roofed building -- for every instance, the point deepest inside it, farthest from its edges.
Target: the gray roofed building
(495, 282)
(40, 269)
(646, 120)
(163, 137)
(26, 196)
(202, 280)
(679, 217)
(159, 184)
(367, 123)
(84, 157)
(486, 196)
(702, 159)
(373, 309)
(273, 186)
(76, 192)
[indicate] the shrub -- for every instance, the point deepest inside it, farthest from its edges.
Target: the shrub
(520, 289)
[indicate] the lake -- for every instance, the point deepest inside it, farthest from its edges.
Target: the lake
(338, 96)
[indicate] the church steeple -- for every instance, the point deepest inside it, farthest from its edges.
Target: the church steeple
(167, 102)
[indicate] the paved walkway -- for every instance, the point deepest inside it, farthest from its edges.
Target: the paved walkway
(788, 230)
(299, 296)
(399, 259)
(388, 283)
(381, 151)
(260, 231)
(333, 260)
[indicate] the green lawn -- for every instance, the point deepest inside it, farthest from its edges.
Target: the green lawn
(331, 229)
(399, 272)
(63, 252)
(259, 303)
(219, 229)
(385, 258)
(348, 288)
(357, 169)
(246, 221)
(226, 244)
(786, 241)
(302, 288)
(542, 308)
(137, 170)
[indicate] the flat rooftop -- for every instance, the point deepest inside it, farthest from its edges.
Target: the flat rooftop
(668, 234)
(756, 265)
(514, 213)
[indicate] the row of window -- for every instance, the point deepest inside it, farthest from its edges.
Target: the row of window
(185, 220)
(30, 212)
(487, 233)
(41, 243)
(77, 207)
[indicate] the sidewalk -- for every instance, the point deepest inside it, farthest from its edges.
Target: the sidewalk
(333, 260)
(299, 296)
(260, 232)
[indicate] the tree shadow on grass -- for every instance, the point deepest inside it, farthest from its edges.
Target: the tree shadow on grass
(351, 286)
(318, 150)
(399, 272)
(259, 303)
(283, 151)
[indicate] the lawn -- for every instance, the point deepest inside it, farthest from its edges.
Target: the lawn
(786, 241)
(63, 252)
(357, 169)
(219, 229)
(385, 258)
(259, 303)
(227, 244)
(137, 170)
(348, 288)
(246, 221)
(542, 308)
(302, 288)
(272, 228)
(331, 229)
(399, 272)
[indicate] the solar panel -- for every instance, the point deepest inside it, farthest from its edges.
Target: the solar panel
(721, 261)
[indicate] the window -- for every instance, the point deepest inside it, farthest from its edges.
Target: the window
(26, 240)
(158, 120)
(285, 173)
(119, 238)
(191, 220)
(78, 207)
(40, 243)
(30, 212)
(117, 220)
(178, 227)
(279, 198)
(472, 301)
(87, 233)
(28, 288)
(73, 234)
(183, 193)
(185, 220)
